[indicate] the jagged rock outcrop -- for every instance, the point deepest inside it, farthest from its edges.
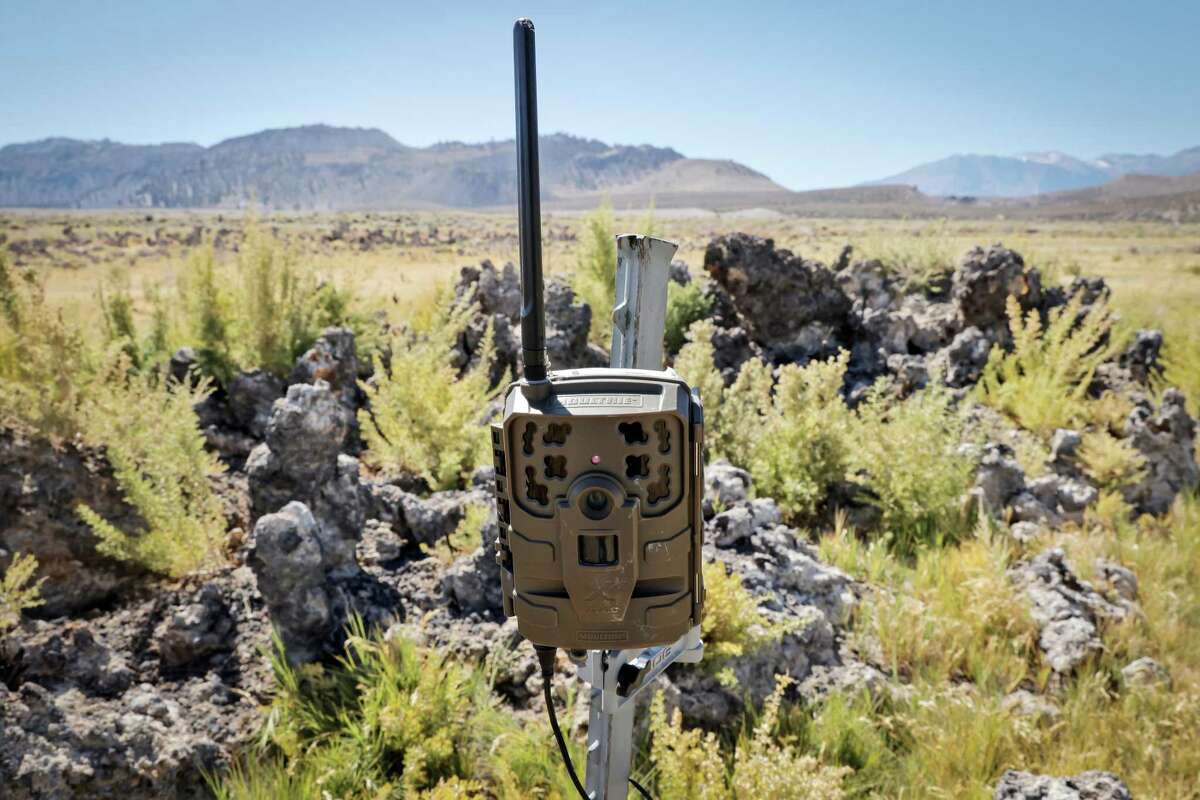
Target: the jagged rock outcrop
(982, 284)
(312, 507)
(1002, 490)
(41, 484)
(139, 702)
(1090, 785)
(472, 582)
(794, 589)
(498, 294)
(1068, 611)
(1145, 672)
(792, 307)
(1166, 437)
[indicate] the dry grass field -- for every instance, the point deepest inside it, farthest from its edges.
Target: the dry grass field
(396, 259)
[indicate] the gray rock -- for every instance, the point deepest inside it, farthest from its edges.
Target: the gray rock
(1167, 440)
(289, 563)
(251, 395)
(195, 631)
(724, 486)
(332, 359)
(790, 306)
(301, 461)
(473, 581)
(680, 273)
(1064, 451)
(41, 485)
(1144, 673)
(1067, 498)
(793, 588)
(1091, 785)
(964, 358)
(1025, 531)
(89, 711)
(1066, 609)
(910, 373)
(732, 526)
(498, 297)
(182, 362)
(1024, 703)
(1120, 579)
(999, 478)
(982, 284)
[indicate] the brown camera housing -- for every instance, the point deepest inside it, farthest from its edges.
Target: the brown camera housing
(598, 495)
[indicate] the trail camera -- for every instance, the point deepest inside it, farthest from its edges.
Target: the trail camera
(598, 471)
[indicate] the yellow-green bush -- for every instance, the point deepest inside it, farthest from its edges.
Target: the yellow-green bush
(690, 764)
(792, 438)
(1043, 382)
(804, 446)
(595, 278)
(46, 365)
(910, 451)
(423, 417)
(18, 590)
(685, 305)
(390, 720)
(797, 437)
(1111, 463)
(153, 441)
(262, 310)
(732, 625)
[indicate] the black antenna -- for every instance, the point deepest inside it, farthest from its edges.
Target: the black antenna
(529, 207)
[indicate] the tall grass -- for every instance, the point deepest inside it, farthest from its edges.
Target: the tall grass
(392, 720)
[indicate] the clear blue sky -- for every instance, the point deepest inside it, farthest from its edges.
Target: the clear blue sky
(813, 94)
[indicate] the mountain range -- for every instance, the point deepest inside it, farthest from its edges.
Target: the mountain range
(332, 168)
(321, 167)
(1029, 174)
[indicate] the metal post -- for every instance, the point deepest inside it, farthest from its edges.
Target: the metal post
(616, 676)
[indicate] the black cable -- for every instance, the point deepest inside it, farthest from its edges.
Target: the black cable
(641, 789)
(562, 743)
(546, 660)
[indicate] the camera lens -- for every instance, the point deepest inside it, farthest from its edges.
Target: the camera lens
(596, 504)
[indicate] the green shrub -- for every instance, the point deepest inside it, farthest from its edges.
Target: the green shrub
(689, 764)
(390, 720)
(18, 590)
(732, 625)
(1111, 463)
(1042, 383)
(423, 418)
(595, 279)
(263, 310)
(792, 439)
(910, 452)
(804, 447)
(694, 363)
(45, 364)
(153, 441)
(685, 305)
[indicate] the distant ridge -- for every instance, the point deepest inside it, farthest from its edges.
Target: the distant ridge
(332, 168)
(1029, 174)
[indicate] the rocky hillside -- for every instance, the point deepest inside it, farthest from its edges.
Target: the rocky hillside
(323, 167)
